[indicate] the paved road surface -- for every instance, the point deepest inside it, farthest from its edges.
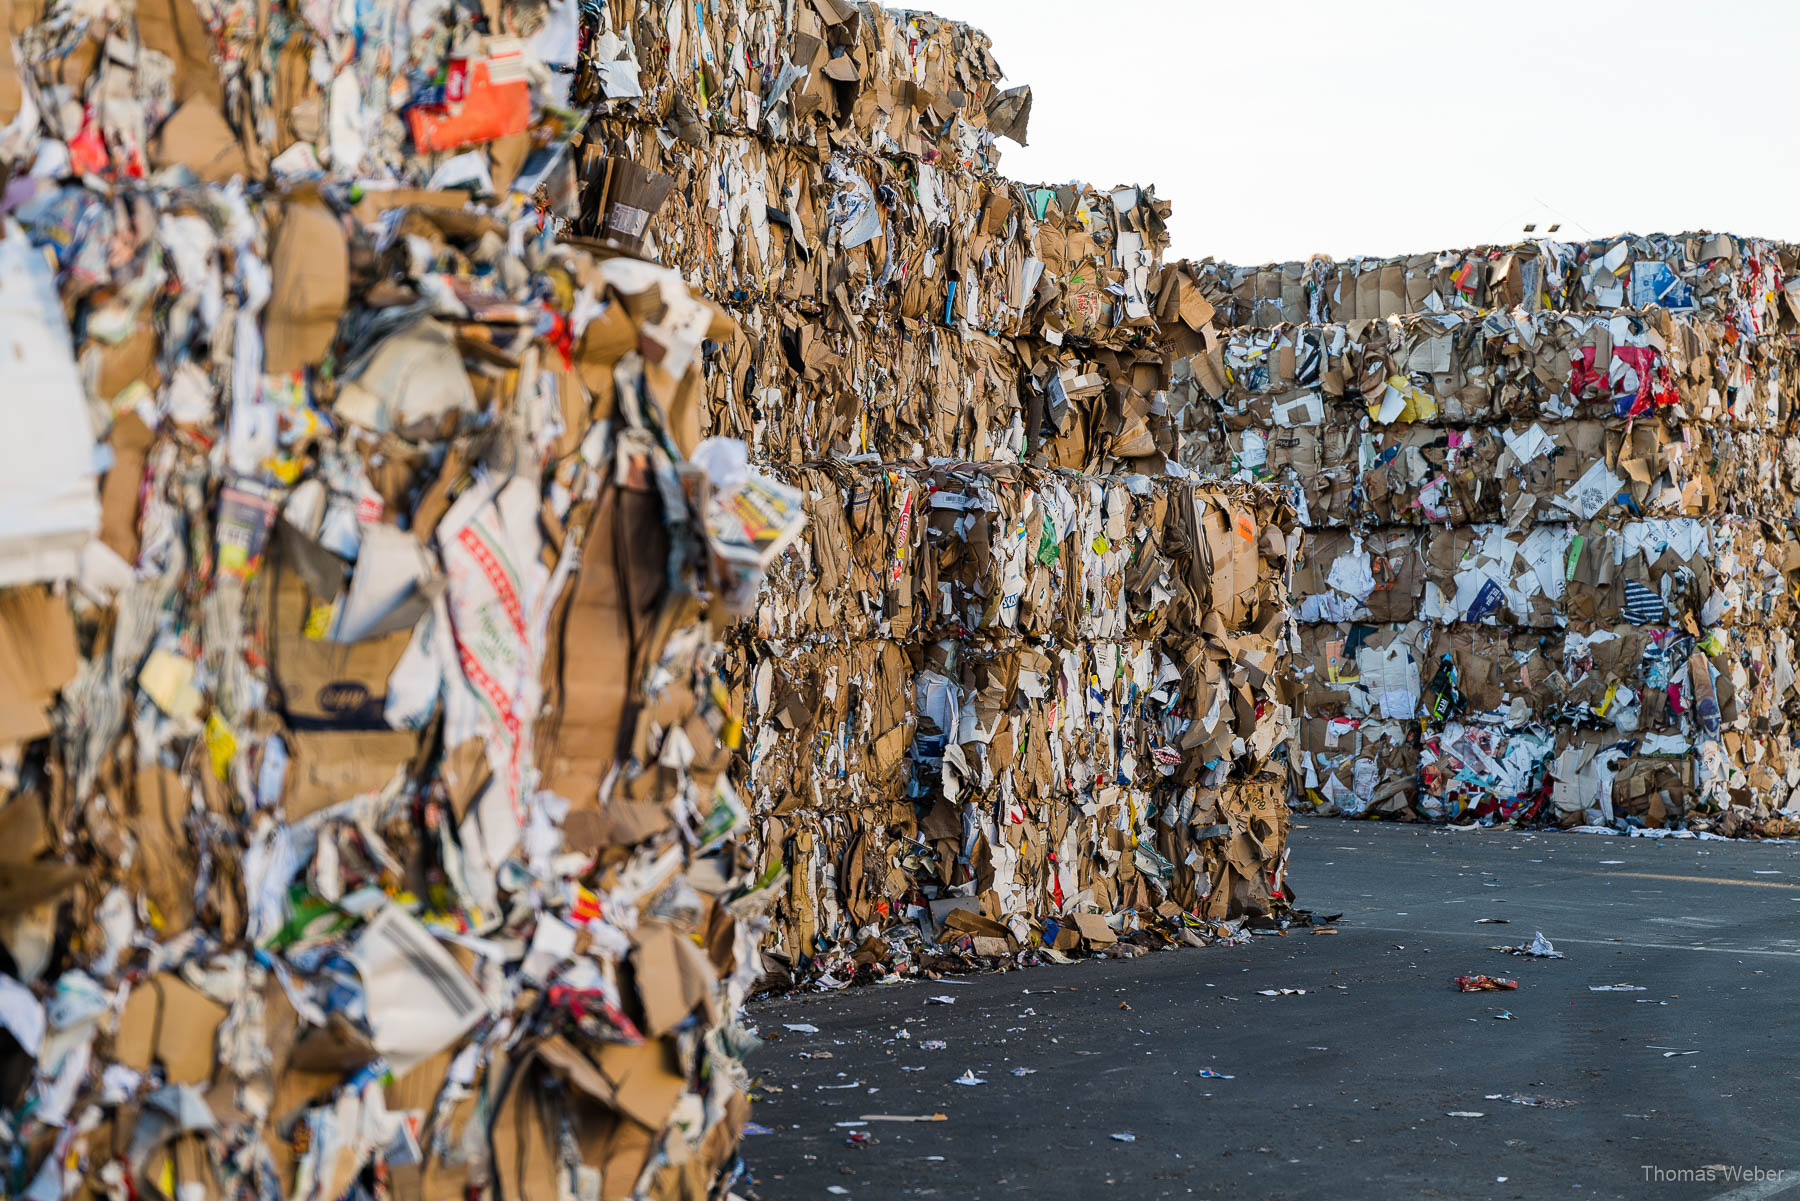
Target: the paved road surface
(1343, 1092)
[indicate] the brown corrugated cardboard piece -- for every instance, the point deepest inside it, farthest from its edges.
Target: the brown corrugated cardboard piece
(309, 286)
(37, 658)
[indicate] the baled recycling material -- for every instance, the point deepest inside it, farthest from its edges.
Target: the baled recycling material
(967, 377)
(1550, 569)
(1439, 410)
(1024, 704)
(1750, 280)
(533, 516)
(367, 828)
(406, 772)
(827, 171)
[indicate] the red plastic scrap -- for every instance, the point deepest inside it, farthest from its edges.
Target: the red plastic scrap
(1484, 983)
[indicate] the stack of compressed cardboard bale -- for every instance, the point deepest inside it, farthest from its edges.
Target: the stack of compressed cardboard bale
(1044, 696)
(826, 170)
(1033, 706)
(362, 573)
(367, 745)
(1550, 493)
(367, 730)
(1739, 279)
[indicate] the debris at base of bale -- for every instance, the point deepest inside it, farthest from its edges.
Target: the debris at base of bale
(908, 954)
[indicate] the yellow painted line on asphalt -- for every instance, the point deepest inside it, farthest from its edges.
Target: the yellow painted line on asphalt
(1704, 880)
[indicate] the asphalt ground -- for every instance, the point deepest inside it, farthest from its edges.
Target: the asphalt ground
(1685, 1089)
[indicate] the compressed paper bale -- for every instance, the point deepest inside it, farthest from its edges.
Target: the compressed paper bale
(287, 699)
(1592, 524)
(1056, 771)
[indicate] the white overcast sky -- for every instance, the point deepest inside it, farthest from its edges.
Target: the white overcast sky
(1283, 128)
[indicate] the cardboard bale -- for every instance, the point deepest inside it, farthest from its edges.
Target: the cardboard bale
(1582, 499)
(1706, 273)
(366, 754)
(1024, 692)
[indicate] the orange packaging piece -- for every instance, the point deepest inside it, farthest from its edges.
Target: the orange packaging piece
(498, 103)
